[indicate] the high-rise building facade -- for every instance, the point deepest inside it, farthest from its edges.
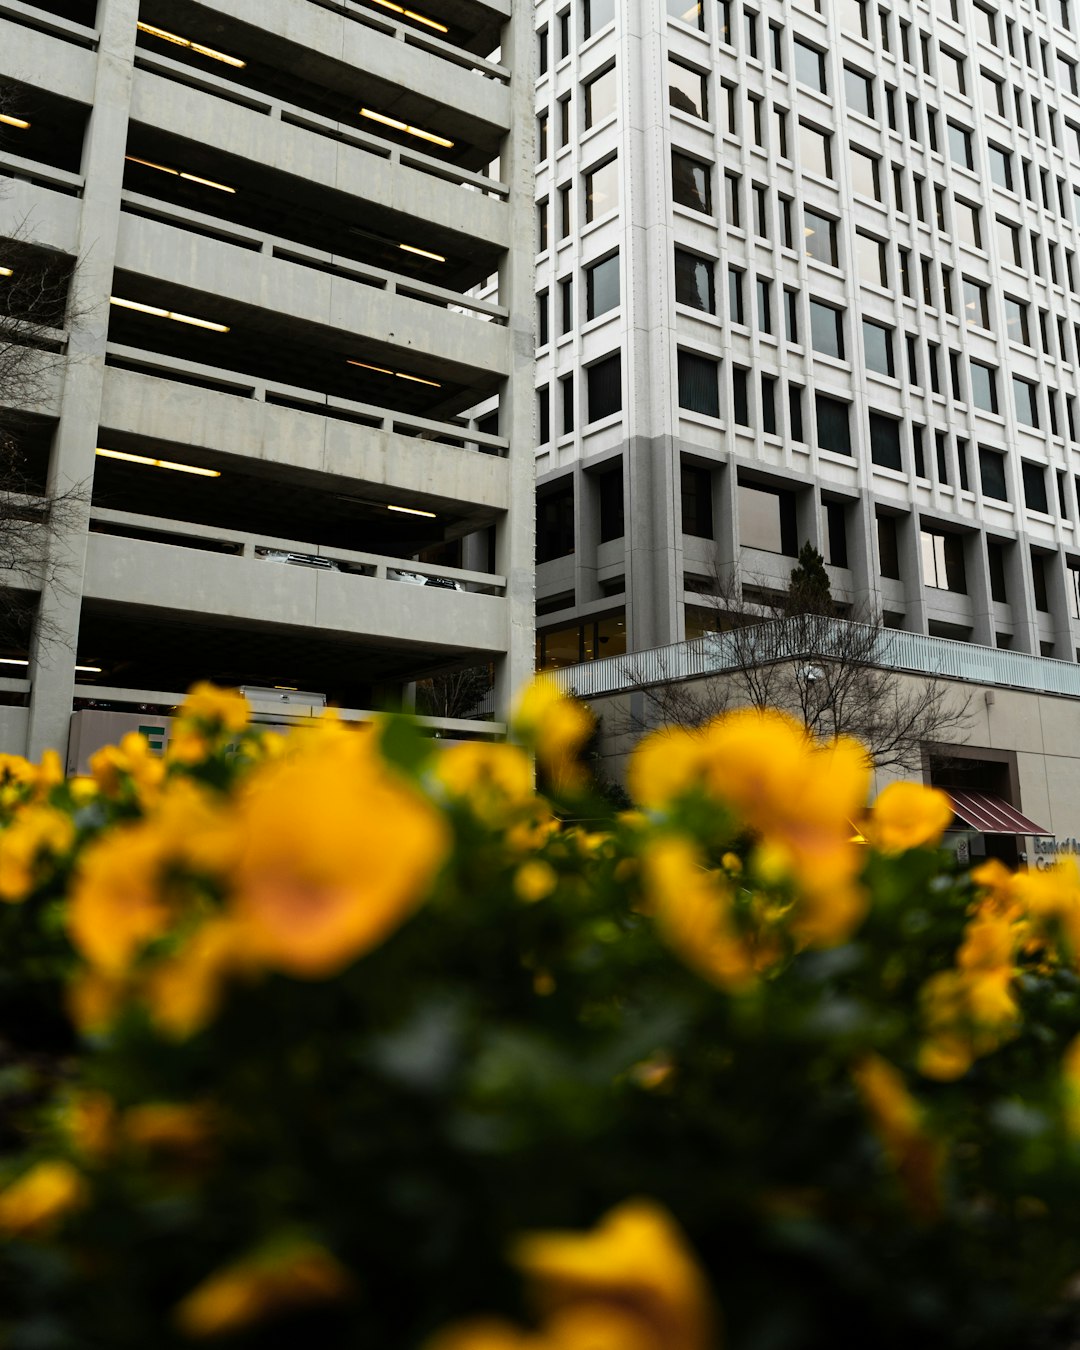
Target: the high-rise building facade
(281, 215)
(808, 272)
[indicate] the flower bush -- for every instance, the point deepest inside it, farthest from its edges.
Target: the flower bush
(352, 1039)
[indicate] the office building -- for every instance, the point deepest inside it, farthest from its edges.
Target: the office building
(283, 213)
(809, 272)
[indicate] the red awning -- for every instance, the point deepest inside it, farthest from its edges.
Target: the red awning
(991, 815)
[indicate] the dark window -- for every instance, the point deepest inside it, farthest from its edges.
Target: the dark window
(768, 404)
(888, 547)
(983, 387)
(567, 383)
(740, 397)
(885, 442)
(698, 385)
(1038, 578)
(995, 556)
(605, 387)
(694, 281)
(833, 424)
(691, 183)
(602, 286)
(697, 511)
(827, 329)
(1035, 487)
(543, 414)
(555, 521)
(609, 486)
(795, 427)
(836, 523)
(543, 335)
(992, 474)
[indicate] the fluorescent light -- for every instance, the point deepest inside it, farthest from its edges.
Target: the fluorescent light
(412, 14)
(412, 511)
(157, 463)
(159, 313)
(179, 173)
(212, 52)
(382, 370)
(423, 252)
(87, 670)
(404, 126)
(6, 272)
(16, 122)
(13, 661)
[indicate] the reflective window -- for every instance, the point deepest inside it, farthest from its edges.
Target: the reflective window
(694, 281)
(602, 286)
(691, 183)
(878, 348)
(820, 237)
(601, 94)
(687, 90)
(602, 189)
(826, 329)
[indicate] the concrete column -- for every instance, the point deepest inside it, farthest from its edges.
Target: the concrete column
(653, 583)
(909, 549)
(515, 536)
(977, 569)
(1021, 592)
(1057, 592)
(53, 657)
(862, 555)
(586, 536)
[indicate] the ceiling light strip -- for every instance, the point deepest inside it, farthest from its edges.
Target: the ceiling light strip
(177, 40)
(158, 313)
(397, 125)
(400, 374)
(157, 463)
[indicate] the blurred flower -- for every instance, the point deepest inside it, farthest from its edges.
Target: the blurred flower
(665, 765)
(35, 834)
(223, 709)
(335, 853)
(693, 911)
(259, 1287)
(898, 1121)
(40, 1199)
(89, 1119)
(631, 1282)
(493, 779)
(534, 880)
(131, 760)
(1070, 1081)
(485, 1334)
(182, 991)
(117, 902)
(556, 728)
(170, 1127)
(94, 999)
(908, 815)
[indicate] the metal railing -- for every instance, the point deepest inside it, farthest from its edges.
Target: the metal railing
(784, 639)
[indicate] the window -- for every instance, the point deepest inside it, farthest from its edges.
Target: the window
(542, 50)
(763, 289)
(687, 11)
(833, 424)
(885, 442)
(983, 387)
(566, 305)
(687, 90)
(858, 92)
(888, 547)
(602, 189)
(995, 556)
(795, 426)
(750, 25)
(735, 295)
(943, 561)
(541, 137)
(976, 303)
(604, 387)
(791, 315)
(1027, 409)
(565, 219)
(941, 453)
(1038, 581)
(564, 121)
(567, 385)
(602, 286)
(726, 101)
(779, 132)
(951, 71)
(1016, 321)
(827, 329)
(740, 398)
(960, 150)
(609, 492)
(601, 93)
(542, 226)
(691, 183)
(820, 237)
(694, 281)
(597, 14)
(543, 334)
(992, 474)
(866, 174)
(768, 404)
(1072, 576)
(1035, 487)
(564, 32)
(543, 415)
(1000, 163)
(555, 521)
(732, 204)
(761, 211)
(966, 223)
(809, 66)
(698, 384)
(985, 25)
(1009, 242)
(815, 151)
(871, 260)
(878, 348)
(836, 533)
(697, 507)
(767, 519)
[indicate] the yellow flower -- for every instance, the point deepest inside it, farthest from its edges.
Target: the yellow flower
(485, 1334)
(117, 904)
(94, 1000)
(335, 854)
(493, 778)
(908, 815)
(261, 1286)
(534, 880)
(632, 1277)
(183, 991)
(898, 1121)
(131, 759)
(169, 1127)
(224, 709)
(665, 765)
(36, 833)
(1070, 1082)
(693, 911)
(90, 1121)
(196, 826)
(555, 727)
(40, 1199)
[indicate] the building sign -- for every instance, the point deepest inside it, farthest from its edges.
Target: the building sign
(1048, 851)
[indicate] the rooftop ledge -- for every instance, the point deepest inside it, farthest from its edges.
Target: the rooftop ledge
(784, 639)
